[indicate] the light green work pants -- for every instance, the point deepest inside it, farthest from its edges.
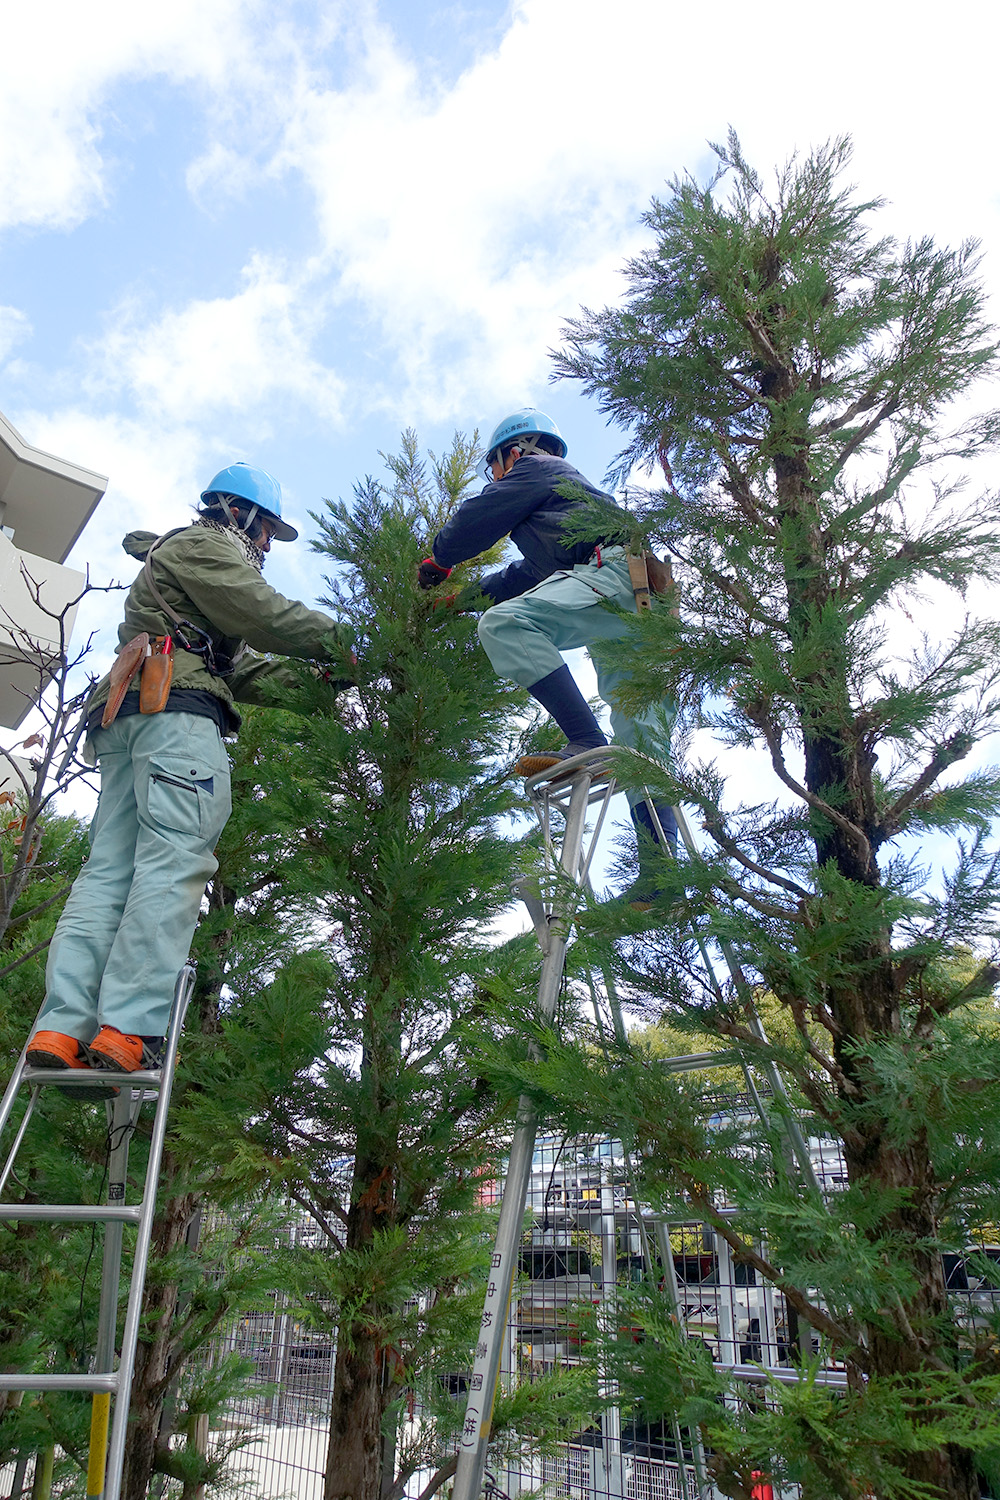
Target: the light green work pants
(523, 638)
(129, 919)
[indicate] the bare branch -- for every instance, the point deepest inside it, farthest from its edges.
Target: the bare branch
(714, 828)
(438, 1478)
(955, 748)
(38, 948)
(36, 911)
(817, 803)
(320, 1218)
(816, 1317)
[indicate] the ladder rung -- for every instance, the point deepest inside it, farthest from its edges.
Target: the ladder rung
(87, 1078)
(10, 1382)
(79, 1213)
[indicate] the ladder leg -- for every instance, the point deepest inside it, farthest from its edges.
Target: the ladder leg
(15, 1148)
(503, 1263)
(100, 1413)
(796, 1140)
(11, 1091)
(130, 1333)
(666, 1254)
(122, 1120)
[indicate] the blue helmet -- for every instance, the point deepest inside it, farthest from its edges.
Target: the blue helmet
(258, 487)
(526, 423)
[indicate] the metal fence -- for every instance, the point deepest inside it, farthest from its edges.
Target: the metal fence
(589, 1238)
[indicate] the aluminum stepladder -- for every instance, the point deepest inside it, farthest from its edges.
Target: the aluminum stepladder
(569, 788)
(106, 1458)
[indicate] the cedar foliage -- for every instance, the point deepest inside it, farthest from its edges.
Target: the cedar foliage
(796, 378)
(392, 813)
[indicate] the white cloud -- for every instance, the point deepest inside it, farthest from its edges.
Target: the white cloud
(467, 223)
(14, 328)
(459, 225)
(158, 469)
(64, 60)
(222, 354)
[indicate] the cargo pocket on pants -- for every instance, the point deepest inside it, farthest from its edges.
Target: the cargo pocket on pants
(181, 795)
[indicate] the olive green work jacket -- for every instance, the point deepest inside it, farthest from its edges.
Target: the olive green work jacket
(206, 579)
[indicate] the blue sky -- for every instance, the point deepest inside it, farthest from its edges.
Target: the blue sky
(285, 231)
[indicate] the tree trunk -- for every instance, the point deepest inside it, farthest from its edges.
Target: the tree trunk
(866, 1006)
(354, 1455)
(360, 1391)
(151, 1378)
(41, 1488)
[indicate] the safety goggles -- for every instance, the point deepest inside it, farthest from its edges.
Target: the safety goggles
(486, 467)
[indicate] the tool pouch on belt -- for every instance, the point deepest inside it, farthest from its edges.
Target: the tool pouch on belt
(128, 661)
(648, 575)
(157, 670)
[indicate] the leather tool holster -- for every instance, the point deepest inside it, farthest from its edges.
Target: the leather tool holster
(157, 671)
(128, 661)
(648, 575)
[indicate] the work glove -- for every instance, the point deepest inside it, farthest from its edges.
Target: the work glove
(470, 600)
(332, 673)
(430, 574)
(331, 677)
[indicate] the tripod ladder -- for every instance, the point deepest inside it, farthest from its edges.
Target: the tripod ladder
(568, 790)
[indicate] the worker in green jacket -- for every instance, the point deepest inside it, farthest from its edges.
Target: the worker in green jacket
(155, 725)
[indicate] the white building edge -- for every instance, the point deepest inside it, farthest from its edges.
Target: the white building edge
(45, 503)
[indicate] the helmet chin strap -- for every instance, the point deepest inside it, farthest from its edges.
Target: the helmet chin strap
(227, 510)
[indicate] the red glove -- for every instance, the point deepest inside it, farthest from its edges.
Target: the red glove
(446, 601)
(430, 574)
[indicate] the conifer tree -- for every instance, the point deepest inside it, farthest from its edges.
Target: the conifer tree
(357, 1091)
(796, 377)
(40, 1264)
(218, 1214)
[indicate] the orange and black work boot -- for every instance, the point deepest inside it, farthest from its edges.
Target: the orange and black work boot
(118, 1051)
(545, 760)
(52, 1049)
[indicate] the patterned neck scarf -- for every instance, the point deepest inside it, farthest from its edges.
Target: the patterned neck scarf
(253, 555)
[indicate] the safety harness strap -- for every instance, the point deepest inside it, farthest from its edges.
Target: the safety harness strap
(184, 630)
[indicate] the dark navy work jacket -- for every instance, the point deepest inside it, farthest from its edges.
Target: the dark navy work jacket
(526, 506)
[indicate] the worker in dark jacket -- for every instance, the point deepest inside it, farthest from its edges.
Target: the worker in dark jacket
(165, 786)
(552, 600)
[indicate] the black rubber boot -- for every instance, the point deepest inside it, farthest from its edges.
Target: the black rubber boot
(644, 890)
(559, 696)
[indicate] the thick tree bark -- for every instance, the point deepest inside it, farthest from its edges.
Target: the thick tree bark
(360, 1391)
(151, 1379)
(868, 1007)
(354, 1454)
